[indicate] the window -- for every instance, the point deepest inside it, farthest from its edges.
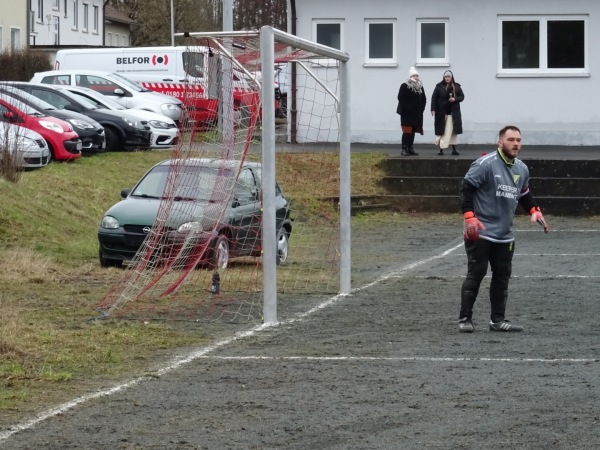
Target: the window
(380, 41)
(75, 14)
(432, 42)
(328, 32)
(15, 39)
(109, 40)
(96, 18)
(543, 45)
(86, 19)
(40, 11)
(55, 30)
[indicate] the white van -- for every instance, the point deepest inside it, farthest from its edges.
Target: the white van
(189, 76)
(119, 88)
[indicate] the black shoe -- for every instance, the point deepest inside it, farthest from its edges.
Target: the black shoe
(454, 152)
(441, 152)
(505, 325)
(466, 325)
(412, 152)
(405, 153)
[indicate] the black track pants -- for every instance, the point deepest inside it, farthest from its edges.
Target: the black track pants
(479, 254)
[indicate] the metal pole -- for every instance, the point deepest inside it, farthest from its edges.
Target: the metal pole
(172, 26)
(227, 15)
(345, 238)
(267, 59)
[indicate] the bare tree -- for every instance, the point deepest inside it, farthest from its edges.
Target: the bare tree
(153, 17)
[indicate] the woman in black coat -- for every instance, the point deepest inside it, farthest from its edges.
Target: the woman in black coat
(445, 106)
(411, 105)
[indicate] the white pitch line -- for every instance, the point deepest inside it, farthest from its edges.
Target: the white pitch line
(403, 358)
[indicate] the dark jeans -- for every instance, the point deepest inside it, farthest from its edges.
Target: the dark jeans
(479, 254)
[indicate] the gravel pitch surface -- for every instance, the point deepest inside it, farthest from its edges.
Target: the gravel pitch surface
(384, 367)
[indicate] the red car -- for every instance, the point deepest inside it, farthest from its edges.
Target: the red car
(63, 142)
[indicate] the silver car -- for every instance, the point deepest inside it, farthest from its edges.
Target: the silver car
(31, 147)
(164, 130)
(120, 89)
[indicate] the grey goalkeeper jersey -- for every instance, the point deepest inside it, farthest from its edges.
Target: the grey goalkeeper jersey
(499, 188)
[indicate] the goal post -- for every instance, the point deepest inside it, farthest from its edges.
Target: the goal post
(242, 135)
(268, 35)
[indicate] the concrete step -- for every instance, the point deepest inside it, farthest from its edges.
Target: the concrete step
(457, 167)
(442, 185)
(558, 206)
(569, 187)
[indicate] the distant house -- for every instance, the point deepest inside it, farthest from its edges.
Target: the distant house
(529, 63)
(56, 24)
(13, 25)
(117, 28)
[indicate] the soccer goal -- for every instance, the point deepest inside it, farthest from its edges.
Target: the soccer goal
(252, 210)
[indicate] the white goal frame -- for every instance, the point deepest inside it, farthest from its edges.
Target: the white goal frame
(268, 35)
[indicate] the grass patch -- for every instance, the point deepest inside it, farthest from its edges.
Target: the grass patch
(50, 278)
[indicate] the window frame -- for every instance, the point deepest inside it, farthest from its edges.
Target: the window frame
(422, 61)
(369, 61)
(75, 15)
(39, 17)
(86, 18)
(96, 19)
(542, 70)
(15, 35)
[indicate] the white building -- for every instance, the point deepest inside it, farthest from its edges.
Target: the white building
(13, 26)
(531, 64)
(60, 23)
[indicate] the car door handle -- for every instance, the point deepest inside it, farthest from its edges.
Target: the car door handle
(167, 79)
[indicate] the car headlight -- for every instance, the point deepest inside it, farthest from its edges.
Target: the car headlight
(133, 123)
(170, 106)
(52, 126)
(160, 124)
(190, 227)
(109, 222)
(80, 124)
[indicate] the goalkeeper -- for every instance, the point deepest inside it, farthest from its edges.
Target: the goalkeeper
(489, 193)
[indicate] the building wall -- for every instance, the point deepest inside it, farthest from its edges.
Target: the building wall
(558, 110)
(13, 22)
(67, 22)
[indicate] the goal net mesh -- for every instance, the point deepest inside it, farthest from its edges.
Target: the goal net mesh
(208, 198)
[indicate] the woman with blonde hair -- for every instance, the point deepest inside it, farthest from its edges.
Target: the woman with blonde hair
(411, 106)
(445, 107)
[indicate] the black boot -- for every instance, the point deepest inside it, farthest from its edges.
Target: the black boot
(405, 151)
(412, 151)
(454, 152)
(441, 152)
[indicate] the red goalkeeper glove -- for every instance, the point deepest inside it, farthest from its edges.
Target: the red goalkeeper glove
(536, 216)
(472, 226)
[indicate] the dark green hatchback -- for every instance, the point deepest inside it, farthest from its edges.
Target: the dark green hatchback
(196, 209)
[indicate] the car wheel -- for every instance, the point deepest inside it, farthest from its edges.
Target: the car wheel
(107, 262)
(112, 140)
(282, 246)
(220, 253)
